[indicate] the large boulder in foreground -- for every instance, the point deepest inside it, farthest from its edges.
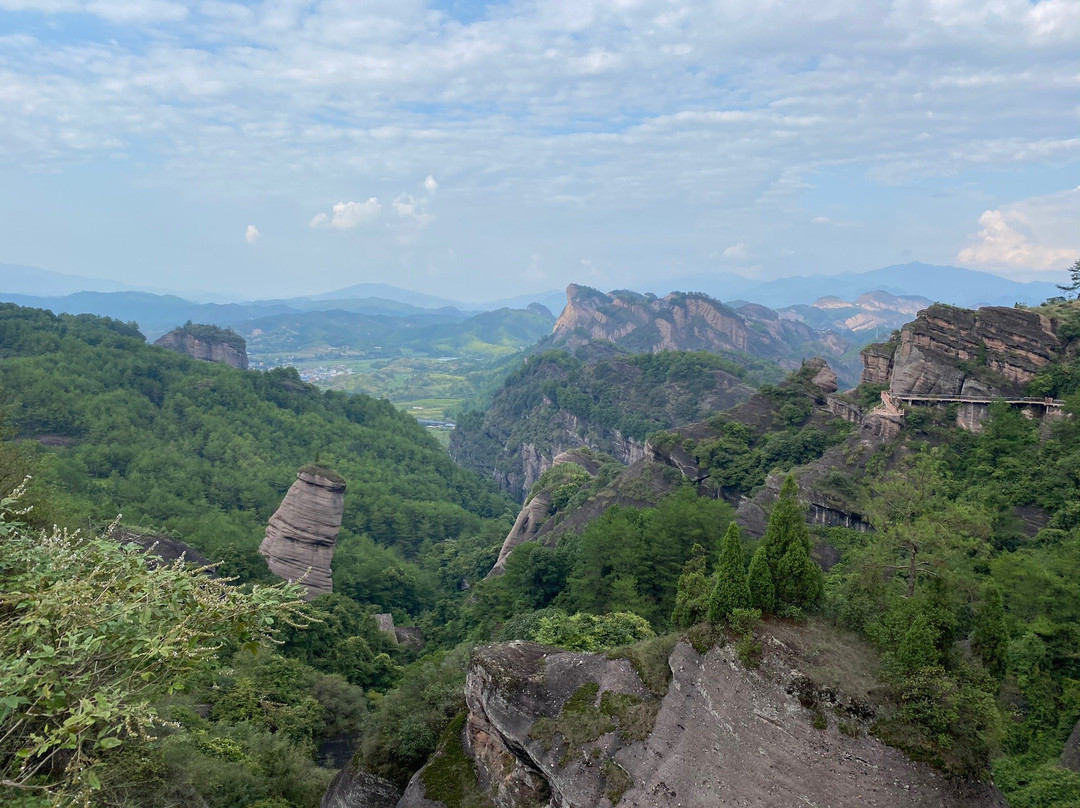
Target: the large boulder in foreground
(356, 788)
(301, 535)
(207, 343)
(552, 728)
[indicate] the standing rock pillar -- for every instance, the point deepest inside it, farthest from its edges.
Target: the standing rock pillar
(301, 534)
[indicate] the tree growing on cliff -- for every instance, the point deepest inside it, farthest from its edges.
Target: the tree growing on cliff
(1073, 286)
(797, 580)
(730, 591)
(759, 582)
(692, 595)
(990, 638)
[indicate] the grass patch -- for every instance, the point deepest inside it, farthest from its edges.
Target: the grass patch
(635, 716)
(618, 781)
(749, 651)
(450, 777)
(649, 658)
(319, 470)
(704, 636)
(583, 721)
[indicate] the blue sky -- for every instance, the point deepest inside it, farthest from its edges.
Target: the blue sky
(479, 150)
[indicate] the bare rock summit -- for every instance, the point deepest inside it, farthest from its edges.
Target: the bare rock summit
(301, 535)
(207, 343)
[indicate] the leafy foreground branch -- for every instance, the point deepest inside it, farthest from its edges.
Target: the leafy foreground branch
(91, 638)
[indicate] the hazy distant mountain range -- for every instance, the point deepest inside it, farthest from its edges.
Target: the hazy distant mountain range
(942, 284)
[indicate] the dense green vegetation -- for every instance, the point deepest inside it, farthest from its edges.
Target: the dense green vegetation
(966, 586)
(206, 451)
(739, 455)
(104, 660)
(107, 424)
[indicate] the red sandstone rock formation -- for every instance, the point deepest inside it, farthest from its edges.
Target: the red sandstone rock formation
(300, 537)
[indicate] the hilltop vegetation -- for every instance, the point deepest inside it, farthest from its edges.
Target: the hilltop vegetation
(556, 401)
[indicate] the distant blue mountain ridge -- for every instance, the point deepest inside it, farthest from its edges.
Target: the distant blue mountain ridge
(944, 284)
(159, 313)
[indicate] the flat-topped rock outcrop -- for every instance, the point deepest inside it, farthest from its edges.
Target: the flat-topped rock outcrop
(207, 343)
(301, 535)
(947, 351)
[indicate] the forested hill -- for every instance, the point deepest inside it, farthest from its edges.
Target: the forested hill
(206, 451)
(557, 401)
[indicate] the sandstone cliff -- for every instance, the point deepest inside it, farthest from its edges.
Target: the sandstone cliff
(300, 536)
(207, 343)
(948, 351)
(552, 728)
(688, 322)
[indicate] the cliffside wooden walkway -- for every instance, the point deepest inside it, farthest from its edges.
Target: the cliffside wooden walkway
(1047, 403)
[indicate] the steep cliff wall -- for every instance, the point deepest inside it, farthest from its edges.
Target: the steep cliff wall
(948, 351)
(207, 343)
(552, 728)
(688, 322)
(300, 537)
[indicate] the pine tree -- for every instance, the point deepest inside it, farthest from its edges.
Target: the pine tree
(1073, 287)
(990, 639)
(797, 580)
(759, 581)
(692, 595)
(730, 591)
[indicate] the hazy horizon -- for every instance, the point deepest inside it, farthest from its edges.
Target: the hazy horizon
(477, 150)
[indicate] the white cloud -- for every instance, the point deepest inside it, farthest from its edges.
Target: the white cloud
(251, 235)
(1039, 234)
(647, 128)
(415, 210)
(348, 215)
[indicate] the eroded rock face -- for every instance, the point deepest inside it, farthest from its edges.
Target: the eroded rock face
(948, 351)
(722, 735)
(301, 534)
(1070, 755)
(229, 348)
(686, 322)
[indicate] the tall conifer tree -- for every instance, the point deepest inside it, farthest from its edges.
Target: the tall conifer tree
(759, 581)
(797, 580)
(730, 591)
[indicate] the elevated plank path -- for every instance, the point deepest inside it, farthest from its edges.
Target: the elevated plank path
(1048, 403)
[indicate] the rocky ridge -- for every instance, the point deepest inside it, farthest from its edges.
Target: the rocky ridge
(552, 728)
(207, 343)
(644, 483)
(300, 536)
(947, 351)
(557, 403)
(688, 322)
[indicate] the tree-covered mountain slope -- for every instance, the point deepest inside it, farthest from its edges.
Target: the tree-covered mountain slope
(556, 401)
(206, 451)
